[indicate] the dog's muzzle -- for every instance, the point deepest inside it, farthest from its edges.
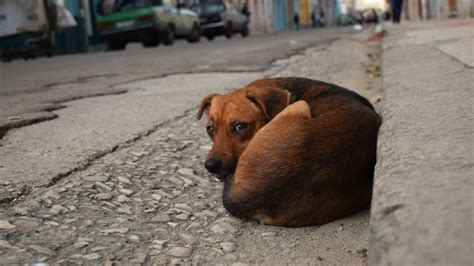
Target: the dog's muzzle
(213, 166)
(216, 167)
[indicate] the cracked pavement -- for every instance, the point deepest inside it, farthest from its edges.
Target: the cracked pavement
(119, 178)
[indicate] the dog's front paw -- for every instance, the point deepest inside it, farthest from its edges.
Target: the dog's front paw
(264, 219)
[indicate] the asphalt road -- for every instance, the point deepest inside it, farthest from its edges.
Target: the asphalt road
(30, 89)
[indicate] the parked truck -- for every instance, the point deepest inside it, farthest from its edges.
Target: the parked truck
(25, 29)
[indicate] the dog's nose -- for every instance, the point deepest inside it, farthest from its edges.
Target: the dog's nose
(213, 165)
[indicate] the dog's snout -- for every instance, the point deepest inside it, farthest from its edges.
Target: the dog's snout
(213, 165)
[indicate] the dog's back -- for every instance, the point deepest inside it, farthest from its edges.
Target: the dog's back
(310, 90)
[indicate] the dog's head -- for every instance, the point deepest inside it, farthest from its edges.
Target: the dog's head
(233, 120)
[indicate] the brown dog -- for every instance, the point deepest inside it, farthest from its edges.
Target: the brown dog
(303, 151)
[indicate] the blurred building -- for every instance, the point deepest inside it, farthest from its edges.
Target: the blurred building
(419, 9)
(268, 16)
(435, 9)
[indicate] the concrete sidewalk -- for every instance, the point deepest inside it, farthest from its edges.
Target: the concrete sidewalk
(422, 209)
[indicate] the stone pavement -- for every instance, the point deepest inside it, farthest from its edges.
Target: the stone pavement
(146, 198)
(422, 209)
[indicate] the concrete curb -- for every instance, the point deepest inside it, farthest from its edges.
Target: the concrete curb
(422, 208)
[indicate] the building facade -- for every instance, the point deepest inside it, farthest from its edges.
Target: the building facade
(435, 9)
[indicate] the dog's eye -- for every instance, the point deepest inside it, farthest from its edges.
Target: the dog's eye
(210, 130)
(240, 128)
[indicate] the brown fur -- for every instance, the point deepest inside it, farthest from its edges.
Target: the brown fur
(304, 164)
(377, 36)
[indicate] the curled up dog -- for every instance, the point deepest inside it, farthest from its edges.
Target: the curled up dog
(292, 151)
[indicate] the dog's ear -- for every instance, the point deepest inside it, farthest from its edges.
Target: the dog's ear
(270, 100)
(205, 103)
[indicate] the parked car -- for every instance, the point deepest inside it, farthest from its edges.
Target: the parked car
(219, 17)
(149, 22)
